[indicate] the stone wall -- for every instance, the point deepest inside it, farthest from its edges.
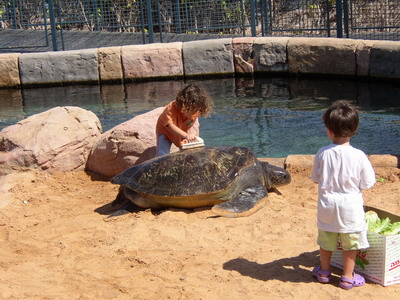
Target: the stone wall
(208, 58)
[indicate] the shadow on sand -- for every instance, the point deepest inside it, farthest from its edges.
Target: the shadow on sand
(293, 269)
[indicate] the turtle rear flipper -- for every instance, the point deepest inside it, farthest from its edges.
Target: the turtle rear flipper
(244, 204)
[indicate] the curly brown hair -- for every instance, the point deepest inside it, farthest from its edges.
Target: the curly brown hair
(342, 118)
(193, 98)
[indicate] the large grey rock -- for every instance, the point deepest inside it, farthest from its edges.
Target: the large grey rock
(363, 55)
(385, 60)
(127, 144)
(59, 139)
(326, 56)
(80, 66)
(270, 54)
(208, 57)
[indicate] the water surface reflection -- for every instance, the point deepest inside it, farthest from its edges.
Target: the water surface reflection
(274, 116)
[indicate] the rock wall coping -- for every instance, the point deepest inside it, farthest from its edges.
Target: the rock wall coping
(307, 161)
(52, 68)
(9, 71)
(206, 58)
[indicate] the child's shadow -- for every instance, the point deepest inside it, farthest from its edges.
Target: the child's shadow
(293, 269)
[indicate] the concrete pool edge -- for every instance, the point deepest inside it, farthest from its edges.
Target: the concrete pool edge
(235, 57)
(296, 161)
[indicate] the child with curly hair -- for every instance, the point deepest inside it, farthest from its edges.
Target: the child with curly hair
(179, 116)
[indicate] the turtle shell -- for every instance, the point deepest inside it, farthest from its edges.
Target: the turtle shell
(197, 171)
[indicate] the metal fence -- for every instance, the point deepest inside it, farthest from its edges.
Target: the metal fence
(365, 19)
(155, 20)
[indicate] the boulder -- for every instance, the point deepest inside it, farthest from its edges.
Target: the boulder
(127, 144)
(326, 56)
(208, 58)
(9, 75)
(299, 162)
(110, 67)
(270, 54)
(59, 67)
(59, 139)
(307, 161)
(385, 60)
(385, 160)
(243, 55)
(152, 61)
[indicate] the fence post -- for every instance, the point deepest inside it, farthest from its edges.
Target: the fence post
(264, 17)
(328, 22)
(346, 17)
(150, 21)
(13, 15)
(339, 19)
(253, 18)
(178, 16)
(95, 16)
(53, 25)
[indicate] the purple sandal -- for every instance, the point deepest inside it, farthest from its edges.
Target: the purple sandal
(322, 276)
(358, 280)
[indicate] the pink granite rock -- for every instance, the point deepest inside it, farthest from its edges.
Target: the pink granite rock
(9, 75)
(58, 139)
(299, 161)
(385, 160)
(243, 55)
(127, 144)
(110, 67)
(152, 61)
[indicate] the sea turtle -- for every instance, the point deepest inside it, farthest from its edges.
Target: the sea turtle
(231, 179)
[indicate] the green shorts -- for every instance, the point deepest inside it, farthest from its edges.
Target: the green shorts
(333, 241)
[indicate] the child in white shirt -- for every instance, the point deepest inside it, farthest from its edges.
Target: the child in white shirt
(341, 172)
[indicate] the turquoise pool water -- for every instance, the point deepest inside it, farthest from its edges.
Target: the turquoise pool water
(275, 117)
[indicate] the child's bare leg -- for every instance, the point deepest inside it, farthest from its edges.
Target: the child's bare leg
(349, 278)
(349, 261)
(325, 258)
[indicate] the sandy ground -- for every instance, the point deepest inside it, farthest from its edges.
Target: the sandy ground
(56, 243)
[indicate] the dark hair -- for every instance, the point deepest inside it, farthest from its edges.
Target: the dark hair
(342, 118)
(193, 98)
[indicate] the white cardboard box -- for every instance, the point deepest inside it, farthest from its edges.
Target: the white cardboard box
(381, 262)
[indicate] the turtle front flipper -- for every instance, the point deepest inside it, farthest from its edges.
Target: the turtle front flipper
(127, 208)
(244, 204)
(123, 202)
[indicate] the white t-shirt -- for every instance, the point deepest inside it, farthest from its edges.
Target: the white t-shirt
(341, 173)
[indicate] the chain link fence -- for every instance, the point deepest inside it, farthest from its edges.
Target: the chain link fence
(374, 19)
(364, 19)
(155, 20)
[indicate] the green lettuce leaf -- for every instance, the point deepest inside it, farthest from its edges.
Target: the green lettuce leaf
(375, 224)
(392, 229)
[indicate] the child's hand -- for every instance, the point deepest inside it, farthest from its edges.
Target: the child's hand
(190, 138)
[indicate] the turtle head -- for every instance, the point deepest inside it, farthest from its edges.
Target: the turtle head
(275, 176)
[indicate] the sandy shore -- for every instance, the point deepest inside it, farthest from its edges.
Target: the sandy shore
(56, 243)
